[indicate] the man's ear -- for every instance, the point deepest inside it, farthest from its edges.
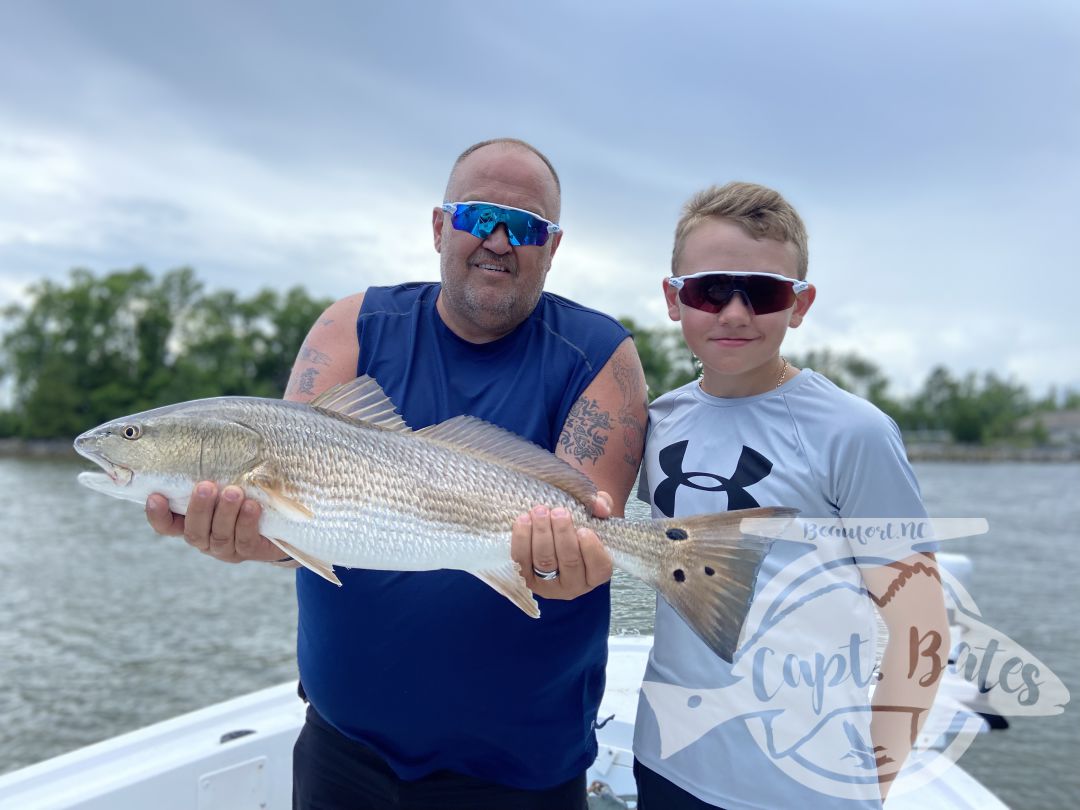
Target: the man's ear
(672, 297)
(437, 220)
(555, 239)
(803, 302)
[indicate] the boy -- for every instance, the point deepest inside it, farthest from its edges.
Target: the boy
(790, 720)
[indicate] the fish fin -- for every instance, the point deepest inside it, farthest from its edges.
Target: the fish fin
(708, 569)
(274, 489)
(320, 567)
(360, 400)
(496, 444)
(507, 580)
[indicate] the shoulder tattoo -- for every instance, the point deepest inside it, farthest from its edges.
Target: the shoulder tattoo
(632, 398)
(314, 356)
(305, 383)
(586, 431)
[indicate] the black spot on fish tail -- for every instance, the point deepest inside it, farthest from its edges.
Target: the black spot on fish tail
(677, 534)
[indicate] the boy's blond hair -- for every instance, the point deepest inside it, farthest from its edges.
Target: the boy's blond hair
(760, 211)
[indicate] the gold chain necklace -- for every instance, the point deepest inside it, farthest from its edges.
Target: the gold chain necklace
(783, 373)
(779, 380)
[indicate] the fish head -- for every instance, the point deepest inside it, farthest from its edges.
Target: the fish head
(168, 450)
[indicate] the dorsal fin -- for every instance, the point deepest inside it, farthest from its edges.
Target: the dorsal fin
(361, 400)
(493, 443)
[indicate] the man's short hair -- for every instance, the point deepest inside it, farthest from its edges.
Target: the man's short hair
(505, 142)
(762, 212)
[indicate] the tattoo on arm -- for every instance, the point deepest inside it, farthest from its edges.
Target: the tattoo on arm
(305, 383)
(633, 429)
(586, 430)
(314, 356)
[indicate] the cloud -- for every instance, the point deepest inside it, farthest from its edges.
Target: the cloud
(933, 150)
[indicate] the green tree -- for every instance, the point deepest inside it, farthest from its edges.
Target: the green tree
(856, 374)
(667, 362)
(78, 351)
(96, 348)
(973, 410)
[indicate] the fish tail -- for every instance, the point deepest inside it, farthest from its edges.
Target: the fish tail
(709, 565)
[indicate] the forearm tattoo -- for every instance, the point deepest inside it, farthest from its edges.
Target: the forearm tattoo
(586, 431)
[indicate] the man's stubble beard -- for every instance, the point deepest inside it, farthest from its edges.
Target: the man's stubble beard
(499, 315)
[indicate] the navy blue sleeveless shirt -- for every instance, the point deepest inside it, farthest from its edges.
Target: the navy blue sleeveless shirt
(435, 670)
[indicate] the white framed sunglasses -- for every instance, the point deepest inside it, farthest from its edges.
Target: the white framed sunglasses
(712, 290)
(481, 218)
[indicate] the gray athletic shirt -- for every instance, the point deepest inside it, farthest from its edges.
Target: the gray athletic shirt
(755, 734)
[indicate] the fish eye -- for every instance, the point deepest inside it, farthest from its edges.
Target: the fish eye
(131, 432)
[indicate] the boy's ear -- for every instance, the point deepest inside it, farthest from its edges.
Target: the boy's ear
(672, 296)
(803, 302)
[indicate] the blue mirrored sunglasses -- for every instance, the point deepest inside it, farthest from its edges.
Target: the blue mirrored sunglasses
(481, 218)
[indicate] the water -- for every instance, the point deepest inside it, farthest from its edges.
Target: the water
(107, 627)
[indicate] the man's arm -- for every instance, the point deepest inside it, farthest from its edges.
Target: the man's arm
(227, 527)
(909, 597)
(603, 437)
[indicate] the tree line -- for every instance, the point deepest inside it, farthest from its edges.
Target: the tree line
(97, 347)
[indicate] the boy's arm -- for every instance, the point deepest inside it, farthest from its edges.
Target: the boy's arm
(909, 597)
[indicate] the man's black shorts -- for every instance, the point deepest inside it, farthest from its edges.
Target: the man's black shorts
(333, 772)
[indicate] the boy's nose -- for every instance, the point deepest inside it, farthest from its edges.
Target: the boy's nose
(737, 308)
(498, 241)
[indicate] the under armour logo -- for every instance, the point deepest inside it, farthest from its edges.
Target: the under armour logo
(752, 467)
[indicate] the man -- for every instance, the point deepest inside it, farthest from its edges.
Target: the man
(428, 689)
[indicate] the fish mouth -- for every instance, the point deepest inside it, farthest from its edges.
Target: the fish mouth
(116, 473)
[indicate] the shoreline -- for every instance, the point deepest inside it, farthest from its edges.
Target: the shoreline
(37, 448)
(62, 449)
(988, 454)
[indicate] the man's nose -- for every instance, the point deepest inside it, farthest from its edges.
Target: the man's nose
(498, 241)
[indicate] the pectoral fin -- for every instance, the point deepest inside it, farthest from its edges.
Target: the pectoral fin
(507, 580)
(320, 567)
(274, 489)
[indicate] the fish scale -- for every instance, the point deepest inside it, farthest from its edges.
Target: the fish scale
(344, 482)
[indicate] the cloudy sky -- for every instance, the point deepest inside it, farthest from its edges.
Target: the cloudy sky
(932, 147)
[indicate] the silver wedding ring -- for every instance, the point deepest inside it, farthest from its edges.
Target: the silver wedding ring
(547, 576)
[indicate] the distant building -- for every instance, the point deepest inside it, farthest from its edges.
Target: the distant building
(1062, 427)
(927, 436)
